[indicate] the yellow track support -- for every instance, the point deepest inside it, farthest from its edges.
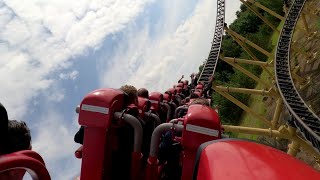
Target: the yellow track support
(257, 4)
(284, 132)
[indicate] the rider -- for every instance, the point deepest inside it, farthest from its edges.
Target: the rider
(132, 94)
(180, 80)
(17, 138)
(201, 100)
(194, 80)
(121, 156)
(132, 98)
(142, 92)
(208, 89)
(169, 155)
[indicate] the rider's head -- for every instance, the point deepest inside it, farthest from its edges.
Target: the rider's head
(142, 92)
(19, 136)
(194, 95)
(202, 101)
(131, 91)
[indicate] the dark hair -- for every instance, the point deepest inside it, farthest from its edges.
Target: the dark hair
(131, 91)
(202, 101)
(168, 92)
(19, 137)
(194, 95)
(3, 130)
(142, 92)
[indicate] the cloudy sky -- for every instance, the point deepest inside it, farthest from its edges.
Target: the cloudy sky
(52, 53)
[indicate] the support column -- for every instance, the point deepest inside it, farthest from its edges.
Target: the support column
(283, 133)
(302, 82)
(247, 61)
(244, 91)
(277, 113)
(242, 106)
(248, 73)
(306, 84)
(310, 57)
(307, 11)
(260, 16)
(247, 49)
(285, 9)
(294, 147)
(245, 40)
(257, 131)
(257, 4)
(254, 57)
(305, 24)
(299, 79)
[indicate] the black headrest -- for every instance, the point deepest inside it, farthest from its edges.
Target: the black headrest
(126, 98)
(133, 110)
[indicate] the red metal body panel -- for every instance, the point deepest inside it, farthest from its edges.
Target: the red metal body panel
(136, 160)
(105, 98)
(179, 90)
(191, 100)
(243, 160)
(199, 93)
(96, 113)
(152, 169)
(172, 91)
(180, 85)
(155, 99)
(28, 160)
(185, 82)
(185, 86)
(31, 154)
(78, 152)
(166, 98)
(144, 105)
(133, 110)
(199, 86)
(201, 124)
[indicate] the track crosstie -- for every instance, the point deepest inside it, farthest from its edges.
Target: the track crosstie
(211, 63)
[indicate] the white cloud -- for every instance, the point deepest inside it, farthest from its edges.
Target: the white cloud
(54, 141)
(232, 6)
(39, 37)
(51, 147)
(158, 63)
(56, 97)
(71, 75)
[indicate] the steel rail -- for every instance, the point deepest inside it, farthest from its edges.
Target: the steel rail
(211, 63)
(303, 117)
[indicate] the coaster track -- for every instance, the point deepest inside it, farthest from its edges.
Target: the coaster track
(304, 119)
(211, 63)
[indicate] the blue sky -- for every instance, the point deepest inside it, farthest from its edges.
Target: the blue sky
(54, 53)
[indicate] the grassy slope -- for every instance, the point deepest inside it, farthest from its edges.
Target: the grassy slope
(255, 101)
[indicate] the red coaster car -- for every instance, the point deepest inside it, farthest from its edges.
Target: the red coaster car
(230, 159)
